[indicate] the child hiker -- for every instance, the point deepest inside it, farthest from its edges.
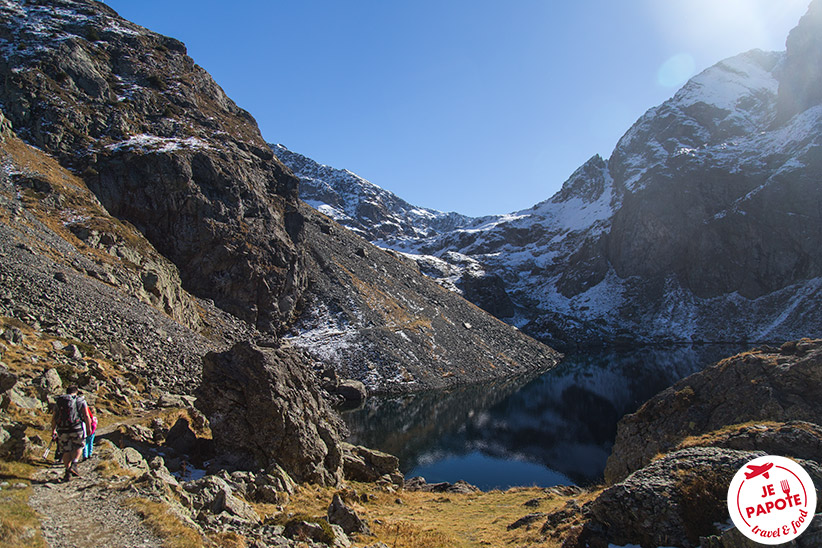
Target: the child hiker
(89, 446)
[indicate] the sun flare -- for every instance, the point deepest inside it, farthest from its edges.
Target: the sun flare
(701, 32)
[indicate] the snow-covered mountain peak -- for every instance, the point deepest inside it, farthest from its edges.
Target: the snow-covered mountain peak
(732, 99)
(732, 83)
(373, 212)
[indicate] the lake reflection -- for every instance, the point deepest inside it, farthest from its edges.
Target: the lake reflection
(555, 429)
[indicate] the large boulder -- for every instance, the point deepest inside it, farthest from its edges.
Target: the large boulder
(671, 502)
(768, 384)
(49, 383)
(264, 409)
(13, 440)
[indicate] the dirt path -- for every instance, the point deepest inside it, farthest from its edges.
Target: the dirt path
(86, 511)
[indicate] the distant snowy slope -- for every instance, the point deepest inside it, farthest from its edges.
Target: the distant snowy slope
(703, 225)
(376, 214)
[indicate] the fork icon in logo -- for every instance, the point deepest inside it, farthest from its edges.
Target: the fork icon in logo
(786, 487)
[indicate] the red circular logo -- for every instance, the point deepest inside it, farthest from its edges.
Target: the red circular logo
(772, 500)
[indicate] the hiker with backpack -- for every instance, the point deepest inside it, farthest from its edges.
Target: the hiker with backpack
(70, 415)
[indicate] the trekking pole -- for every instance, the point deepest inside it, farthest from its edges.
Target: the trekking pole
(46, 452)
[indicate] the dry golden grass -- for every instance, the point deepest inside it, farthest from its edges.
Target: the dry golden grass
(395, 315)
(708, 439)
(428, 520)
(19, 524)
(228, 540)
(167, 525)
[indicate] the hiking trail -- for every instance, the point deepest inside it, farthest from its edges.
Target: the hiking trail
(87, 510)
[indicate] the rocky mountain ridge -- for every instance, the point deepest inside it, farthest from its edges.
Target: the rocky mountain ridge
(161, 146)
(373, 316)
(375, 214)
(700, 227)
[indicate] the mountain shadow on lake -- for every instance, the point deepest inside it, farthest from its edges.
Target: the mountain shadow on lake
(564, 420)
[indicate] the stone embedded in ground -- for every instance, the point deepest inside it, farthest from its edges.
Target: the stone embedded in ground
(527, 520)
(158, 469)
(340, 514)
(7, 378)
(50, 383)
(303, 529)
(131, 458)
(215, 495)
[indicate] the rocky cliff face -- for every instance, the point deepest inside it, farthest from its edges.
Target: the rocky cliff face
(802, 68)
(700, 226)
(161, 146)
(766, 385)
(72, 270)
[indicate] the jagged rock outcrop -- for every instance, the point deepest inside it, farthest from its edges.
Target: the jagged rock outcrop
(265, 409)
(161, 146)
(765, 385)
(374, 319)
(340, 514)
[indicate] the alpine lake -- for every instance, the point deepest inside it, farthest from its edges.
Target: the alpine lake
(553, 429)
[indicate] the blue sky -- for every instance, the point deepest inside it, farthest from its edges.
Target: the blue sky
(472, 106)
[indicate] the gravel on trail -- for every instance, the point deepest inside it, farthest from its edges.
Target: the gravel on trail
(86, 511)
